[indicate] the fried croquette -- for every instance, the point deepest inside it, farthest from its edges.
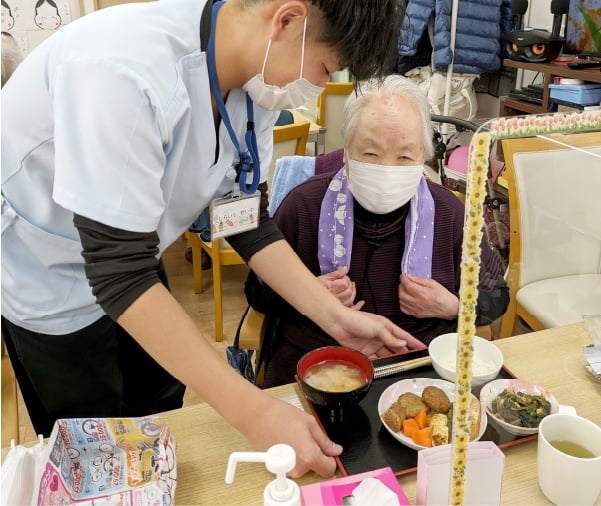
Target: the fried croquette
(399, 409)
(412, 403)
(394, 417)
(436, 399)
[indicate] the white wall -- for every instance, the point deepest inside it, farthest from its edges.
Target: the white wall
(539, 15)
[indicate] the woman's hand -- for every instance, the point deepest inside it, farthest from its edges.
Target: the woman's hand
(341, 286)
(280, 422)
(374, 335)
(426, 298)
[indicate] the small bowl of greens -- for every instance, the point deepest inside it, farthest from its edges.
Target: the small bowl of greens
(518, 406)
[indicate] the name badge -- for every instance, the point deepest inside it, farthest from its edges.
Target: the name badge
(234, 214)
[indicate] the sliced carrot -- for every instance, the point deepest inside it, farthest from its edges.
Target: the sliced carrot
(423, 437)
(422, 419)
(409, 426)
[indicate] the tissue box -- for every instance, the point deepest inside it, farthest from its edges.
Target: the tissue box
(331, 492)
(483, 480)
(116, 460)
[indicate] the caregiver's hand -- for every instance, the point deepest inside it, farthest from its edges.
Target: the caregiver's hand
(373, 335)
(280, 422)
(426, 298)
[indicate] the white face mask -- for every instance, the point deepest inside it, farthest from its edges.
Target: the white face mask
(383, 188)
(291, 96)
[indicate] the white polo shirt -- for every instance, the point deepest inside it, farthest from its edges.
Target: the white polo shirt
(109, 118)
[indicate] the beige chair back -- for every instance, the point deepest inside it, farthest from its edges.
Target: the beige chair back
(559, 206)
(331, 113)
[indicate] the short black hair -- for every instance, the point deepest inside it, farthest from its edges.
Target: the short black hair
(364, 32)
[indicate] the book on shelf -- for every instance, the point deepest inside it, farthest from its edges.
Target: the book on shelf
(564, 106)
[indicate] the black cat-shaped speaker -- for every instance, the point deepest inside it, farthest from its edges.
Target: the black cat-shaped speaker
(535, 46)
(531, 44)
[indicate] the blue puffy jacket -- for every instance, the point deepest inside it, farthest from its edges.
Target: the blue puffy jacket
(480, 23)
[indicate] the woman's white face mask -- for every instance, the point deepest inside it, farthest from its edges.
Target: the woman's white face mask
(291, 96)
(383, 188)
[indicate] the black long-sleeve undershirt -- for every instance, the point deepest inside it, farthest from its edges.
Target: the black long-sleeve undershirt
(121, 265)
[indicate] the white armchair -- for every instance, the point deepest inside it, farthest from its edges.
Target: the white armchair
(554, 274)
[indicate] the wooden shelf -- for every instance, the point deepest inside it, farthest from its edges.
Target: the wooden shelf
(511, 107)
(593, 75)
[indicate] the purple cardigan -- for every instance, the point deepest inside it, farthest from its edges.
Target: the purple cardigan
(329, 162)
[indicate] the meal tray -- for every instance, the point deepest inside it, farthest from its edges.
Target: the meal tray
(368, 445)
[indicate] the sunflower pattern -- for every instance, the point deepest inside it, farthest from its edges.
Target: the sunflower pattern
(468, 295)
(480, 144)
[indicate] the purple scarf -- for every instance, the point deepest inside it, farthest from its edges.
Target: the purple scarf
(336, 224)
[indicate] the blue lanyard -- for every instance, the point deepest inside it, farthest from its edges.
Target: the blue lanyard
(247, 162)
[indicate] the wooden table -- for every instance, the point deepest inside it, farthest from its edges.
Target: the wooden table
(317, 133)
(551, 358)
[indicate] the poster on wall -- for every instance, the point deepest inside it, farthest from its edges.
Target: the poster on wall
(32, 21)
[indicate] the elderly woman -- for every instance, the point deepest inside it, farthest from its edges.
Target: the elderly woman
(376, 232)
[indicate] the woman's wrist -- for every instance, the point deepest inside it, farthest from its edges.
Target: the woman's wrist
(453, 311)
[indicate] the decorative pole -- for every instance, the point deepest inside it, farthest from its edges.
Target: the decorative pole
(468, 296)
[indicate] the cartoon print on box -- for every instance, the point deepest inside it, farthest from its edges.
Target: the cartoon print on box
(111, 460)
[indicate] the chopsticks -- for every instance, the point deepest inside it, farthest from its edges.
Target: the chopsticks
(389, 369)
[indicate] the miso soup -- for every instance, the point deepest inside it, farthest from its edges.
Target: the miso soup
(573, 449)
(335, 376)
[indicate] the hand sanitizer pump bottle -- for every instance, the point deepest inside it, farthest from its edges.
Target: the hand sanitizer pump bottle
(279, 459)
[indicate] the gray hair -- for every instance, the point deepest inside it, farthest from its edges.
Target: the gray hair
(392, 85)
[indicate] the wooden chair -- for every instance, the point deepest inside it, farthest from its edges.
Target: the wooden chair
(331, 113)
(288, 140)
(554, 274)
(251, 336)
(222, 254)
(10, 405)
